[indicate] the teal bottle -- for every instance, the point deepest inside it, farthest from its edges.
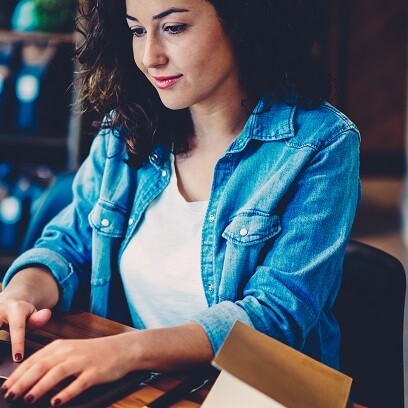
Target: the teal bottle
(24, 17)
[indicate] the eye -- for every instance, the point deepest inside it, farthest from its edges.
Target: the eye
(138, 31)
(175, 29)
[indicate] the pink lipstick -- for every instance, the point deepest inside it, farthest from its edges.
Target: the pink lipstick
(163, 82)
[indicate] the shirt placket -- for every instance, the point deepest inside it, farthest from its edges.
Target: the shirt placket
(209, 272)
(159, 182)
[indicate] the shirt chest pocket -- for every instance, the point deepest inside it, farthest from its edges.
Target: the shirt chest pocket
(108, 220)
(252, 227)
(246, 237)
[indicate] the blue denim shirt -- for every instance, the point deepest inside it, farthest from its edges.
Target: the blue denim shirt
(282, 203)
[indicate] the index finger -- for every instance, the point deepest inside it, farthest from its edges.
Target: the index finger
(17, 328)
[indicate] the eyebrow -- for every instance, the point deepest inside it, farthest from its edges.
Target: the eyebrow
(161, 15)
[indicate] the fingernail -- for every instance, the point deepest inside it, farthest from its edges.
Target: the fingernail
(29, 398)
(9, 397)
(18, 357)
(56, 403)
(4, 389)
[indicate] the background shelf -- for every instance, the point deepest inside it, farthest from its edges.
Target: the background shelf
(25, 140)
(13, 36)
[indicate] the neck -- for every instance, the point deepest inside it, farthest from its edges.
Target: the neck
(218, 124)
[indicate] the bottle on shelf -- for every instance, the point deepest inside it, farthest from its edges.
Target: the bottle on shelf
(8, 61)
(31, 88)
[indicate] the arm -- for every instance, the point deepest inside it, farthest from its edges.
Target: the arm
(171, 348)
(65, 245)
(165, 349)
(50, 274)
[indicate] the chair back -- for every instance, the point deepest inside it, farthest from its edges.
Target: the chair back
(370, 312)
(56, 197)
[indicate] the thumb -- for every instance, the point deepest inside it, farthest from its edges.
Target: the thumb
(39, 318)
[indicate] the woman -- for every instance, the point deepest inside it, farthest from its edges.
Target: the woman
(220, 188)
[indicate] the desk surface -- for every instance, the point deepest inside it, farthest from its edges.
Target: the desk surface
(86, 325)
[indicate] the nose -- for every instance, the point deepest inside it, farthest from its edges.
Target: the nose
(153, 53)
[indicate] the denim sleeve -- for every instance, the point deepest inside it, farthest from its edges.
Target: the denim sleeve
(285, 296)
(65, 245)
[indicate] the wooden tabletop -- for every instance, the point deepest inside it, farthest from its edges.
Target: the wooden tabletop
(85, 325)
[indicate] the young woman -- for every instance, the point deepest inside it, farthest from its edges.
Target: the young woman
(221, 187)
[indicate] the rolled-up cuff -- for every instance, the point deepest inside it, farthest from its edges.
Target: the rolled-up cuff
(62, 271)
(217, 321)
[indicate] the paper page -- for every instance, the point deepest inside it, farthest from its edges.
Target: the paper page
(228, 391)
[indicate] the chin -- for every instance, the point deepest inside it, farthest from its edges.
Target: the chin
(177, 97)
(174, 103)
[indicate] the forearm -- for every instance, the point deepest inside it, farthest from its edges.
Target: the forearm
(173, 348)
(35, 285)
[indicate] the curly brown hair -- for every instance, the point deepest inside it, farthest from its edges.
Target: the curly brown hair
(272, 40)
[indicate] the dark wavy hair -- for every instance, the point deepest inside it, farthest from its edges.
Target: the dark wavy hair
(272, 41)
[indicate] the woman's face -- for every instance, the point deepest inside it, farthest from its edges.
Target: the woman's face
(181, 47)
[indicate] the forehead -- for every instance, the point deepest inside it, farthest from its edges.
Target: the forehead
(151, 8)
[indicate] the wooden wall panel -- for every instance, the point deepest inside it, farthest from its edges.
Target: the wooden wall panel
(377, 73)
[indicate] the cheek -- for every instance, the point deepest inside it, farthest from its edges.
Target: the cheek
(214, 52)
(195, 59)
(211, 63)
(137, 57)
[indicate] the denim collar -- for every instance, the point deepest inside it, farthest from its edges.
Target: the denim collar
(271, 120)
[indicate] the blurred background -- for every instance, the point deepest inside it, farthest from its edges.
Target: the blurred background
(362, 43)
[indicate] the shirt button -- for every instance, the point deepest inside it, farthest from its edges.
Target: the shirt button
(228, 155)
(211, 218)
(210, 287)
(164, 173)
(154, 157)
(243, 232)
(131, 221)
(105, 223)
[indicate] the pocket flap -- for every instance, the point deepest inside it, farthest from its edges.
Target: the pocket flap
(108, 219)
(252, 227)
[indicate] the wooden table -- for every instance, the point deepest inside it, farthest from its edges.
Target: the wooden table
(85, 325)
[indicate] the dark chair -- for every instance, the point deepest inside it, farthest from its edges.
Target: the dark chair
(57, 196)
(370, 312)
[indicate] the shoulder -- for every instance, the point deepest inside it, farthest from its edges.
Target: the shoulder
(110, 140)
(321, 126)
(299, 126)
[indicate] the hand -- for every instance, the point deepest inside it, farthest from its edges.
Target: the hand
(20, 315)
(26, 302)
(86, 360)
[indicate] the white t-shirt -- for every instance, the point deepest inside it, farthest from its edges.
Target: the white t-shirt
(161, 266)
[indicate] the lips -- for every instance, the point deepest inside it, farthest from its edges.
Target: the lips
(165, 82)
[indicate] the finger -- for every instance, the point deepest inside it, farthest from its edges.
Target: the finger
(17, 329)
(20, 370)
(80, 384)
(33, 369)
(46, 381)
(25, 376)
(39, 319)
